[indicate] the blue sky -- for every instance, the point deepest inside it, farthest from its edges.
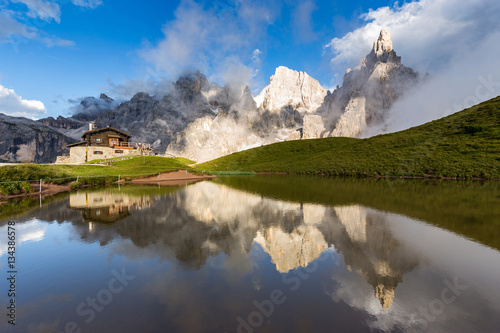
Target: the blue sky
(54, 52)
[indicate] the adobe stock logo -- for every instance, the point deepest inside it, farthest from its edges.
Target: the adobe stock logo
(437, 306)
(485, 89)
(93, 305)
(266, 308)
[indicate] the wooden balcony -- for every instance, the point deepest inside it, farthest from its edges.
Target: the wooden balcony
(131, 145)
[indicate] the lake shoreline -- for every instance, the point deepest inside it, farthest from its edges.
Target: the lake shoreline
(174, 178)
(375, 177)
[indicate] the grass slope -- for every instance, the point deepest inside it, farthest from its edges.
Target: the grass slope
(463, 145)
(134, 167)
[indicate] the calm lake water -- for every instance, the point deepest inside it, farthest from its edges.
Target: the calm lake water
(258, 254)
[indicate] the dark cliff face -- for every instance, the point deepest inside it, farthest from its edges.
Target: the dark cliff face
(157, 120)
(24, 140)
(62, 122)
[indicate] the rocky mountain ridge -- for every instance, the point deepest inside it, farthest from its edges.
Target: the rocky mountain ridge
(202, 121)
(295, 106)
(25, 140)
(291, 88)
(274, 115)
(368, 91)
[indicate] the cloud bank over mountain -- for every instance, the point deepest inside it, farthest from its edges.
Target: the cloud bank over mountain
(456, 42)
(428, 33)
(212, 38)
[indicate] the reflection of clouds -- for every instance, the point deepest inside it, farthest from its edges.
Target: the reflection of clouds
(389, 245)
(472, 262)
(32, 309)
(45, 327)
(201, 302)
(352, 289)
(30, 231)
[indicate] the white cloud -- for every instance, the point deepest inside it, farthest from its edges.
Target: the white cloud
(45, 10)
(16, 33)
(30, 231)
(18, 26)
(14, 105)
(426, 33)
(256, 62)
(10, 26)
(256, 55)
(456, 41)
(302, 22)
(87, 3)
(210, 39)
(469, 79)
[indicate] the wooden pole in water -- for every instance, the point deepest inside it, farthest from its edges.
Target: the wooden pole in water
(40, 186)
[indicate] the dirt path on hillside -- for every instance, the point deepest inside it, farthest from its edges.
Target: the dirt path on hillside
(171, 178)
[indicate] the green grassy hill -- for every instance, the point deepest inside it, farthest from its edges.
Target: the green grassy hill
(463, 145)
(134, 167)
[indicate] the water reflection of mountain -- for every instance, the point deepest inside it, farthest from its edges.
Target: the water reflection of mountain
(238, 242)
(370, 249)
(468, 208)
(208, 219)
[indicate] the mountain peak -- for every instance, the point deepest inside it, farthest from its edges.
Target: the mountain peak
(382, 51)
(383, 43)
(105, 97)
(193, 81)
(288, 87)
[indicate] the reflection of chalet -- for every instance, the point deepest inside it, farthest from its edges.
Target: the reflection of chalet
(104, 214)
(106, 206)
(103, 143)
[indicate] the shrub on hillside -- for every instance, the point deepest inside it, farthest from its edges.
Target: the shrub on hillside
(13, 188)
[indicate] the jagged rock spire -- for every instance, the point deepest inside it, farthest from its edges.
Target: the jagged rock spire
(383, 43)
(382, 51)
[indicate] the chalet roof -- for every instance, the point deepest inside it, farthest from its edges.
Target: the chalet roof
(81, 143)
(105, 129)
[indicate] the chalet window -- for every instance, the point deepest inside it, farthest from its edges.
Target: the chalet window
(98, 152)
(119, 151)
(98, 140)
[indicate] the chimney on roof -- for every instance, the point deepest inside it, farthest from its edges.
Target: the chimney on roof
(91, 126)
